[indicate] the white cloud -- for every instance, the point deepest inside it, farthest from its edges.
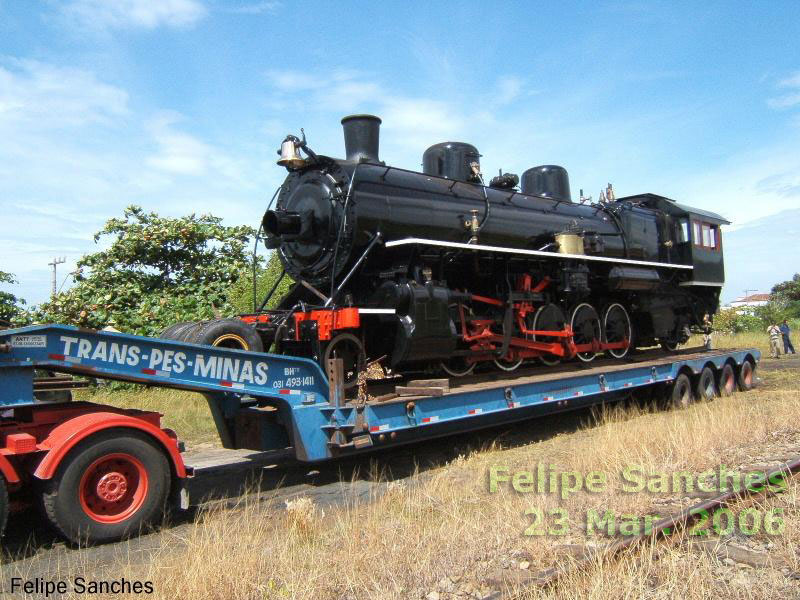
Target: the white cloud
(785, 101)
(145, 14)
(44, 96)
(508, 90)
(791, 98)
(255, 8)
(180, 153)
(293, 81)
(793, 81)
(74, 153)
(412, 121)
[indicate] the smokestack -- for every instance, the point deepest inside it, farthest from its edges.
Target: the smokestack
(362, 138)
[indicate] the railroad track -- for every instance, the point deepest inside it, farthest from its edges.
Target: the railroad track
(669, 530)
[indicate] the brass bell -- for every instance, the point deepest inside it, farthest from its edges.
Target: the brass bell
(290, 153)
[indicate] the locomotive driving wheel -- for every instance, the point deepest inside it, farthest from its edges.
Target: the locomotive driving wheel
(350, 349)
(548, 318)
(585, 328)
(458, 366)
(507, 365)
(504, 364)
(669, 345)
(617, 328)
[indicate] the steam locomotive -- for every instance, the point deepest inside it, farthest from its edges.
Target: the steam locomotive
(438, 269)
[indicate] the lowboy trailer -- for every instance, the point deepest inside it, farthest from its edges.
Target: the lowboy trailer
(102, 473)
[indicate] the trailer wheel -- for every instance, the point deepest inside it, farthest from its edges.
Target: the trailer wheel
(727, 381)
(108, 487)
(746, 376)
(706, 387)
(681, 395)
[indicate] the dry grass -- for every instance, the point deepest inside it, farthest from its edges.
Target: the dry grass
(185, 412)
(445, 532)
(724, 341)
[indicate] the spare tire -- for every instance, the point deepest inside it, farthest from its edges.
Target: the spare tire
(174, 332)
(191, 332)
(228, 333)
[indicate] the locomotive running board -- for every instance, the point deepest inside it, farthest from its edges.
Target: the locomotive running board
(462, 246)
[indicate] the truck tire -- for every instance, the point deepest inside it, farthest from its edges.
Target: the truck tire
(727, 381)
(109, 487)
(681, 394)
(228, 333)
(706, 386)
(189, 333)
(174, 332)
(746, 376)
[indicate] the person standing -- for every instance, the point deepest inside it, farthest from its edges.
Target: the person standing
(774, 339)
(787, 343)
(707, 331)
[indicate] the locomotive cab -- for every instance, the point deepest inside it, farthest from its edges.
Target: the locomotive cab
(688, 236)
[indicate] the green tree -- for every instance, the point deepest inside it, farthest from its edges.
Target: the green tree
(12, 311)
(770, 313)
(155, 271)
(787, 291)
(786, 295)
(241, 296)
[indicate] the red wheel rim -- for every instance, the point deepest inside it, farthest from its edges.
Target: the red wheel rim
(113, 488)
(729, 382)
(748, 374)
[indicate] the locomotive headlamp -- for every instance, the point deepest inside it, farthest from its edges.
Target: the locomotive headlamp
(290, 153)
(282, 222)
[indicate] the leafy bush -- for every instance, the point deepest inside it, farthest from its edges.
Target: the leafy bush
(241, 294)
(728, 320)
(154, 272)
(12, 309)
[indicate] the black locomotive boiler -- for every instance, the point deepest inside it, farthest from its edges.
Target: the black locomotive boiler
(439, 269)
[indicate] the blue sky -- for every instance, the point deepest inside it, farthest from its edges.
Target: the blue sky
(179, 105)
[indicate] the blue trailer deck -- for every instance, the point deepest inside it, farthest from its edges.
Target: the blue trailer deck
(104, 472)
(307, 412)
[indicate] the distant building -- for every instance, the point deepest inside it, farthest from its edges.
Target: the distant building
(746, 304)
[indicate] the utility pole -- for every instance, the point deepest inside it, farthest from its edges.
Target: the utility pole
(747, 293)
(54, 264)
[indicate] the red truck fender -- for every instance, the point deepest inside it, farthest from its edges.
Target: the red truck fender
(69, 433)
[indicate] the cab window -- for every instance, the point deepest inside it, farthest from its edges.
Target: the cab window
(683, 231)
(706, 235)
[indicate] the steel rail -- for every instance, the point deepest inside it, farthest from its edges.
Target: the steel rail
(661, 528)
